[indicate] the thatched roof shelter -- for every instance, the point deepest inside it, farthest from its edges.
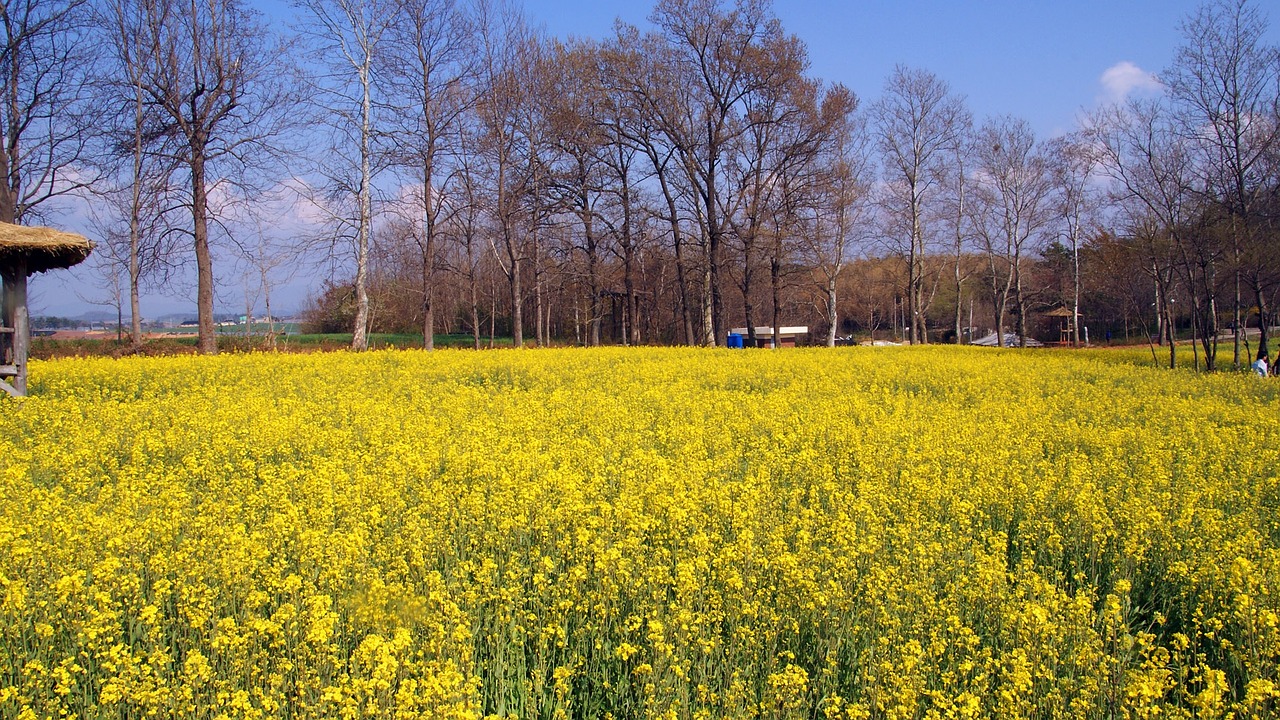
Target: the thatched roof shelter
(25, 251)
(42, 248)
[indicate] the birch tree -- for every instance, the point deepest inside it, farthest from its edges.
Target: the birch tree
(915, 122)
(839, 211)
(347, 37)
(1014, 197)
(1073, 163)
(958, 214)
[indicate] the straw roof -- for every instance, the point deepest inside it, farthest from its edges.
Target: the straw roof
(1060, 312)
(43, 248)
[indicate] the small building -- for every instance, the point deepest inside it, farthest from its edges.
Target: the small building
(764, 336)
(1066, 325)
(25, 251)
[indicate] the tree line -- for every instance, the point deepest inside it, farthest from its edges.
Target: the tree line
(459, 170)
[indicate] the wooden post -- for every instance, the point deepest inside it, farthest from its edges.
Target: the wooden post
(14, 317)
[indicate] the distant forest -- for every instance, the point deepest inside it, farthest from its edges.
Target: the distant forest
(458, 171)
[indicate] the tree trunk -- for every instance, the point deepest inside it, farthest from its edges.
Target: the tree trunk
(915, 280)
(593, 278)
(517, 316)
(913, 308)
(682, 287)
(715, 315)
(1239, 318)
(266, 301)
(1020, 305)
(1075, 289)
(633, 309)
(632, 336)
(1260, 296)
(475, 314)
(1210, 336)
(775, 279)
(1159, 307)
(135, 299)
(998, 305)
(8, 195)
(833, 320)
(959, 305)
(682, 284)
(493, 310)
(1195, 332)
(207, 341)
(360, 333)
(628, 267)
(428, 255)
(428, 307)
(135, 240)
(539, 326)
(708, 329)
(1166, 322)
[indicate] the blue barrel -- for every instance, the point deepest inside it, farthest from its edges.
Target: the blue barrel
(734, 341)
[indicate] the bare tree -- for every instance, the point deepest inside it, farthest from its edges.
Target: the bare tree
(507, 53)
(1151, 171)
(716, 57)
(575, 105)
(465, 230)
(430, 57)
(643, 97)
(1014, 196)
(1075, 200)
(347, 36)
(915, 121)
(136, 235)
(1225, 84)
(840, 210)
(139, 153)
(538, 74)
(266, 259)
(622, 168)
(823, 120)
(783, 131)
(46, 112)
(957, 214)
(215, 76)
(112, 271)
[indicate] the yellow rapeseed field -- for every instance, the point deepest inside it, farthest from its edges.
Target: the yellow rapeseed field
(640, 533)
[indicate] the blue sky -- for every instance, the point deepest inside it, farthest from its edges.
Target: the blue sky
(1042, 61)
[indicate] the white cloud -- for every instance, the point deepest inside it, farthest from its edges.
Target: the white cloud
(1124, 79)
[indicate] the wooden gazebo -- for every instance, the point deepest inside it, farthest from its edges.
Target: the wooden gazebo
(1067, 324)
(25, 251)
